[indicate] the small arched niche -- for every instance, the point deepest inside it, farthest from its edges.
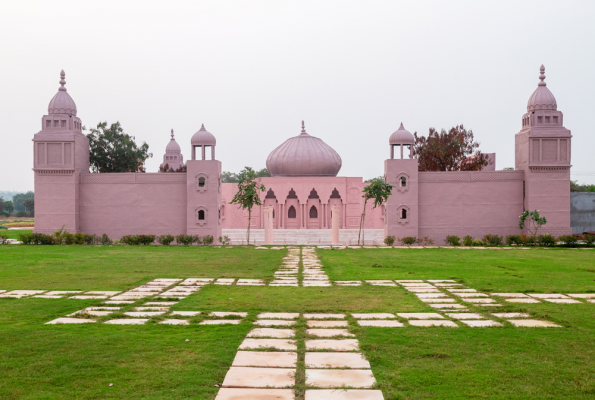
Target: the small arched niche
(201, 181)
(291, 213)
(201, 215)
(313, 212)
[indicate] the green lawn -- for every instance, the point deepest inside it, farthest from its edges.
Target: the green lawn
(153, 361)
(14, 233)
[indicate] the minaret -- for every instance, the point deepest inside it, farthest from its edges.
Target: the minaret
(542, 151)
(203, 188)
(173, 155)
(61, 153)
(401, 171)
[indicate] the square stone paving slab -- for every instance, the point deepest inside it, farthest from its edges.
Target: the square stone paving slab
(329, 332)
(511, 315)
(381, 283)
(270, 315)
(402, 282)
(316, 284)
(174, 322)
(522, 301)
(428, 322)
(481, 324)
(441, 281)
(336, 378)
(220, 322)
(324, 316)
(420, 315)
(576, 295)
(108, 293)
(465, 295)
(326, 324)
(431, 295)
(273, 322)
(448, 306)
(533, 323)
(46, 296)
(160, 303)
(336, 360)
(247, 377)
(479, 301)
(84, 297)
(438, 300)
(127, 321)
(511, 295)
(332, 344)
(119, 302)
(59, 292)
(380, 323)
(228, 314)
(141, 314)
(70, 321)
(373, 316)
(186, 313)
(91, 312)
(279, 344)
(283, 284)
(565, 301)
(151, 308)
(343, 394)
(548, 296)
(255, 394)
(465, 316)
(275, 359)
(423, 290)
(270, 332)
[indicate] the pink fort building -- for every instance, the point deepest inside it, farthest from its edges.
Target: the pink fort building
(303, 189)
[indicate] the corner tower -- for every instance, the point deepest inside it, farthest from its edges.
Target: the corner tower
(203, 187)
(60, 154)
(401, 171)
(542, 151)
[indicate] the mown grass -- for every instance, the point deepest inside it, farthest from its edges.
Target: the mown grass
(14, 233)
(155, 362)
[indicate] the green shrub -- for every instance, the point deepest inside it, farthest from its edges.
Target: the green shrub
(468, 240)
(453, 240)
(26, 238)
(425, 241)
(165, 240)
(514, 239)
(589, 239)
(3, 238)
(105, 239)
(546, 240)
(184, 239)
(79, 238)
(207, 240)
(568, 240)
(407, 240)
(492, 240)
(197, 239)
(37, 238)
(528, 240)
(389, 240)
(90, 239)
(68, 238)
(21, 214)
(477, 242)
(225, 240)
(146, 239)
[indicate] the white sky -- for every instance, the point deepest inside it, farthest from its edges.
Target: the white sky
(252, 70)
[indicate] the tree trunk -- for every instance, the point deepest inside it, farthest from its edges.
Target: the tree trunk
(249, 218)
(361, 223)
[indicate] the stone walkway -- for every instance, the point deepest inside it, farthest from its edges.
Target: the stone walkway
(274, 362)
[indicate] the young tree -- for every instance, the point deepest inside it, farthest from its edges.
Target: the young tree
(232, 177)
(454, 150)
(19, 199)
(1, 206)
(377, 190)
(112, 150)
(247, 195)
(167, 168)
(532, 221)
(8, 207)
(30, 206)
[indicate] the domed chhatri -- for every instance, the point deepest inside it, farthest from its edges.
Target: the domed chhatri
(62, 103)
(173, 155)
(304, 155)
(401, 136)
(542, 98)
(173, 146)
(203, 138)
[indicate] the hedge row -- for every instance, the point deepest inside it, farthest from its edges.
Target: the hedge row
(67, 238)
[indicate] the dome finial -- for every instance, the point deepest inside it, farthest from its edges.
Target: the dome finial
(401, 127)
(172, 134)
(62, 81)
(202, 127)
(542, 76)
(303, 127)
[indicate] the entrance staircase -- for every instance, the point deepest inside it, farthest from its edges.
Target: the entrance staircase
(315, 237)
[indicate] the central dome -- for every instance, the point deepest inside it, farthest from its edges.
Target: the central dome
(304, 155)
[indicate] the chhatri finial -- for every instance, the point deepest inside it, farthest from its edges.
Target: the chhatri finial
(542, 76)
(172, 134)
(401, 127)
(62, 81)
(202, 128)
(303, 127)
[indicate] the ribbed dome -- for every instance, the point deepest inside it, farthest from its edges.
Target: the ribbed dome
(542, 98)
(304, 155)
(401, 136)
(203, 138)
(62, 103)
(173, 146)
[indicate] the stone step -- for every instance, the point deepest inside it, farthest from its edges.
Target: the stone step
(305, 236)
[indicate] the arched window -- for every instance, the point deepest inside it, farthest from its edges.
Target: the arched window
(273, 213)
(403, 213)
(313, 212)
(403, 181)
(201, 181)
(291, 212)
(201, 215)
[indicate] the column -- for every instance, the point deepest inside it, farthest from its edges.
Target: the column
(336, 215)
(268, 225)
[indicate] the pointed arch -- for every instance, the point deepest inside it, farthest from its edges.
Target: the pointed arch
(313, 212)
(335, 194)
(291, 213)
(291, 194)
(270, 194)
(313, 194)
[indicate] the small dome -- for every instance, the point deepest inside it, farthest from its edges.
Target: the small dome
(62, 103)
(401, 136)
(542, 98)
(173, 146)
(203, 138)
(304, 155)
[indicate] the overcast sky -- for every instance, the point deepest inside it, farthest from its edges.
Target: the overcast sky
(252, 70)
